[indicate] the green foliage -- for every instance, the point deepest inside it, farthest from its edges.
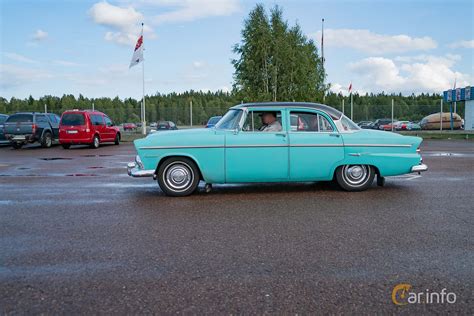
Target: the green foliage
(276, 61)
(175, 106)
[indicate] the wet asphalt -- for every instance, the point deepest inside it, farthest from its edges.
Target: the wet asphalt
(79, 236)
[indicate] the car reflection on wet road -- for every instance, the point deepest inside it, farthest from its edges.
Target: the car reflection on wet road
(79, 236)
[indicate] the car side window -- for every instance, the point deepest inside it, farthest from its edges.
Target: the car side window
(254, 121)
(97, 119)
(309, 122)
(108, 121)
(41, 119)
(52, 118)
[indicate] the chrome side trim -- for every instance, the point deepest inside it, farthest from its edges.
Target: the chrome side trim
(419, 168)
(256, 145)
(377, 145)
(181, 147)
(275, 145)
(317, 145)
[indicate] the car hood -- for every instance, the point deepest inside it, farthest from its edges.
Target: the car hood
(182, 137)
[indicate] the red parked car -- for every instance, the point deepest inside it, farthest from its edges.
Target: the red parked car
(86, 127)
(129, 127)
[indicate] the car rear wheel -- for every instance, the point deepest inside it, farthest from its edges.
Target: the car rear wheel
(46, 140)
(66, 146)
(178, 176)
(95, 142)
(355, 177)
(17, 145)
(117, 139)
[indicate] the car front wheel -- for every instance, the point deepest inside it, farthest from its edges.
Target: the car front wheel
(355, 177)
(178, 176)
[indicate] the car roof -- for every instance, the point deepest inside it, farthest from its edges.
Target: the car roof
(317, 106)
(83, 111)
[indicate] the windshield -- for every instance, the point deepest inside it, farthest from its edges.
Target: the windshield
(214, 120)
(348, 125)
(230, 120)
(73, 119)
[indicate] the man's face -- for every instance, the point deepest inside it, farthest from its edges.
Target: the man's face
(268, 118)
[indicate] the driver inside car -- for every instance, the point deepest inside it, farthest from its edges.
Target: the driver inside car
(270, 122)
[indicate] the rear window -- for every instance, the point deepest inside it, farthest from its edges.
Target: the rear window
(73, 119)
(20, 118)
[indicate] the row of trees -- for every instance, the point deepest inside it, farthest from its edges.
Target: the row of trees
(176, 106)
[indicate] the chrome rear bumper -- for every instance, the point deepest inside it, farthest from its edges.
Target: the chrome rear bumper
(134, 170)
(419, 168)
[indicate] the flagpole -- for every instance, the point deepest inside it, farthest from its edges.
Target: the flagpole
(322, 55)
(143, 100)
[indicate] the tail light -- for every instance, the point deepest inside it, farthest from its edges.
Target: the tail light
(34, 127)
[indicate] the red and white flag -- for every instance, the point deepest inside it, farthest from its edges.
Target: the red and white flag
(350, 88)
(138, 52)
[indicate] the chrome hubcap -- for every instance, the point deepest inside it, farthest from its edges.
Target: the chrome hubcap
(96, 142)
(178, 176)
(355, 174)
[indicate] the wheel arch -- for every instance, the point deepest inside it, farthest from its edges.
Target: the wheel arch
(192, 158)
(376, 169)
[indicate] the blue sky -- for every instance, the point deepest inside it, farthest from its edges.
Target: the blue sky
(71, 46)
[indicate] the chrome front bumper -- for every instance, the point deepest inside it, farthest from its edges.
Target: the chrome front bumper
(135, 169)
(419, 168)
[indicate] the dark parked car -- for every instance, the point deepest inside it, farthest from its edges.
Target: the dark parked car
(213, 121)
(365, 124)
(166, 125)
(31, 127)
(378, 124)
(3, 118)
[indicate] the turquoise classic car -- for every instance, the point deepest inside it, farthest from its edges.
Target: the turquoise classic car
(275, 142)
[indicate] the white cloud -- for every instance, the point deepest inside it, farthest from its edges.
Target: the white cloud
(19, 58)
(66, 63)
(13, 76)
(373, 43)
(125, 22)
(462, 44)
(40, 35)
(190, 10)
(416, 74)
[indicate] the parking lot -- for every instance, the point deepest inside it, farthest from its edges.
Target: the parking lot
(80, 236)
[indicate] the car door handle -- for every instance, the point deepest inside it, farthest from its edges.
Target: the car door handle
(334, 135)
(281, 134)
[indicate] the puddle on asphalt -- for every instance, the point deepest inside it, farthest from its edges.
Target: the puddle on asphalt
(81, 175)
(55, 158)
(96, 156)
(446, 154)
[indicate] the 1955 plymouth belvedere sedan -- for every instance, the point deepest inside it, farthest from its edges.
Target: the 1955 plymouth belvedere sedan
(275, 142)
